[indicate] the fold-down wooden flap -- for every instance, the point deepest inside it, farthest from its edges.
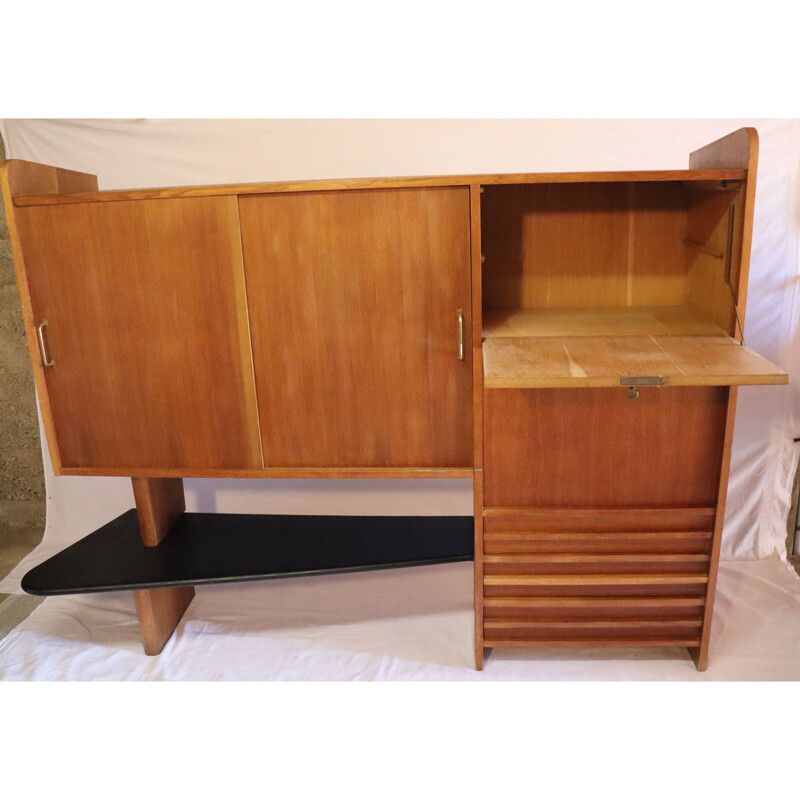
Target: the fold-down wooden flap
(541, 362)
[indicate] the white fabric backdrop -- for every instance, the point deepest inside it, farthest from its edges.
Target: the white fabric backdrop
(140, 153)
(417, 623)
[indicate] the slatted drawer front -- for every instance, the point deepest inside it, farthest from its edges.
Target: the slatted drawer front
(561, 577)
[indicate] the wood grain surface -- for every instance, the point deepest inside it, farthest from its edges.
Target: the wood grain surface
(596, 447)
(35, 198)
(353, 300)
(600, 361)
(147, 325)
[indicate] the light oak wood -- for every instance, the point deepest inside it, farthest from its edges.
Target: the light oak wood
(356, 352)
(599, 244)
(738, 150)
(714, 259)
(381, 183)
(147, 325)
(597, 321)
(159, 504)
(600, 361)
(597, 448)
(608, 520)
(23, 177)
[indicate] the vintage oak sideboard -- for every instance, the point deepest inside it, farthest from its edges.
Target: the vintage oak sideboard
(573, 342)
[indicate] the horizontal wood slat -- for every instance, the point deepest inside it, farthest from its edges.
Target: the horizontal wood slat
(687, 542)
(594, 585)
(617, 642)
(559, 564)
(591, 607)
(593, 629)
(598, 519)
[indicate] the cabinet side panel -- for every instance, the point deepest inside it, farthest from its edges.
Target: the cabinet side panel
(18, 178)
(596, 448)
(737, 150)
(353, 300)
(144, 303)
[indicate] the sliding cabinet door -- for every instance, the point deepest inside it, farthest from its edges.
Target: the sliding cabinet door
(354, 301)
(146, 350)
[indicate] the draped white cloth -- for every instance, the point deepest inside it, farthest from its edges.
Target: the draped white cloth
(141, 153)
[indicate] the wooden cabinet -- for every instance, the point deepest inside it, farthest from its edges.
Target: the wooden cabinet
(354, 301)
(573, 342)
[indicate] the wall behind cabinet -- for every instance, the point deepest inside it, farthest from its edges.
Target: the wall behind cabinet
(172, 152)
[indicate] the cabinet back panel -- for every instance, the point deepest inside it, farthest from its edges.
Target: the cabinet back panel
(353, 300)
(147, 325)
(593, 244)
(595, 447)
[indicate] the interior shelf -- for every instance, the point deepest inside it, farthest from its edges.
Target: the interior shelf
(219, 548)
(521, 362)
(593, 321)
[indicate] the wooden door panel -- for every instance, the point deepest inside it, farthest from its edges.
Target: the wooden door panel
(595, 448)
(147, 326)
(353, 300)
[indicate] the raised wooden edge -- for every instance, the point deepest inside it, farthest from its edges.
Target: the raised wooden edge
(384, 183)
(598, 519)
(639, 604)
(700, 654)
(632, 579)
(606, 382)
(737, 150)
(275, 472)
(160, 502)
(19, 177)
(590, 642)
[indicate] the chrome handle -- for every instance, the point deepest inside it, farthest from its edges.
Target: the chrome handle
(45, 360)
(460, 315)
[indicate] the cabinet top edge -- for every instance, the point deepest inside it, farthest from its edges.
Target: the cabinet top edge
(712, 175)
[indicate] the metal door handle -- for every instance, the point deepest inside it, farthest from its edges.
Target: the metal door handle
(45, 360)
(460, 315)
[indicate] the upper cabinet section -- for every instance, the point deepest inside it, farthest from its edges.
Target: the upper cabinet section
(588, 284)
(354, 302)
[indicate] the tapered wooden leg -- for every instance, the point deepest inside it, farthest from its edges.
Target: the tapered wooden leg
(159, 611)
(159, 503)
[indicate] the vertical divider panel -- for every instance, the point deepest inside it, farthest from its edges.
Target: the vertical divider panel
(477, 410)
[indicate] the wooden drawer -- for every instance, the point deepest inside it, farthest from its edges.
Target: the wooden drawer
(595, 577)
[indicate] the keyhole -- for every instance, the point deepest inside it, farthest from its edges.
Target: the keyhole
(633, 393)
